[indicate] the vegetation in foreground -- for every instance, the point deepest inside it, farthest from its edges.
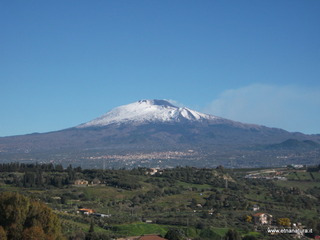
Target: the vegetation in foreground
(178, 203)
(23, 218)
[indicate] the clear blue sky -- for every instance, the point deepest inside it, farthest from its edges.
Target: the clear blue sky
(63, 63)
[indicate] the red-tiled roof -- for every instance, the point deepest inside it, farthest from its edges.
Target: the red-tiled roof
(86, 210)
(151, 237)
(258, 214)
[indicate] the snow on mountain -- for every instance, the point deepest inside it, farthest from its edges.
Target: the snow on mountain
(145, 111)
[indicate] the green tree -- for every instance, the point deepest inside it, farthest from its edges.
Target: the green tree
(209, 234)
(3, 234)
(21, 217)
(232, 235)
(13, 213)
(91, 230)
(249, 237)
(96, 236)
(34, 233)
(284, 222)
(248, 218)
(79, 235)
(175, 234)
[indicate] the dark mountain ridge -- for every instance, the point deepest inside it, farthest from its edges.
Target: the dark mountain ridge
(295, 144)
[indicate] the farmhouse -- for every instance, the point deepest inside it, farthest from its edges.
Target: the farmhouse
(95, 181)
(262, 218)
(81, 182)
(255, 208)
(86, 211)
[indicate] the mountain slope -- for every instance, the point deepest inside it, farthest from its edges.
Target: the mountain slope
(152, 126)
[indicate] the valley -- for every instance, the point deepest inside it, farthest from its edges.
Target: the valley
(199, 203)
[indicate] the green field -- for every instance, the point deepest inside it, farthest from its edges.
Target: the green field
(137, 229)
(196, 201)
(303, 185)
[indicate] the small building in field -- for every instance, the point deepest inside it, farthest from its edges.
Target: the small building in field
(102, 215)
(81, 182)
(255, 208)
(262, 218)
(86, 211)
(95, 181)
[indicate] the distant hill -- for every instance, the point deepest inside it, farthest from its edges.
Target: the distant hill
(295, 144)
(182, 136)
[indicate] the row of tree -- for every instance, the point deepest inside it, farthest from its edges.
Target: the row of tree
(31, 167)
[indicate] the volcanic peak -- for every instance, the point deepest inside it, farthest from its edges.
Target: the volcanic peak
(146, 111)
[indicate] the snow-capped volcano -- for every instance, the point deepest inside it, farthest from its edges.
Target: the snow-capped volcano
(157, 126)
(145, 111)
